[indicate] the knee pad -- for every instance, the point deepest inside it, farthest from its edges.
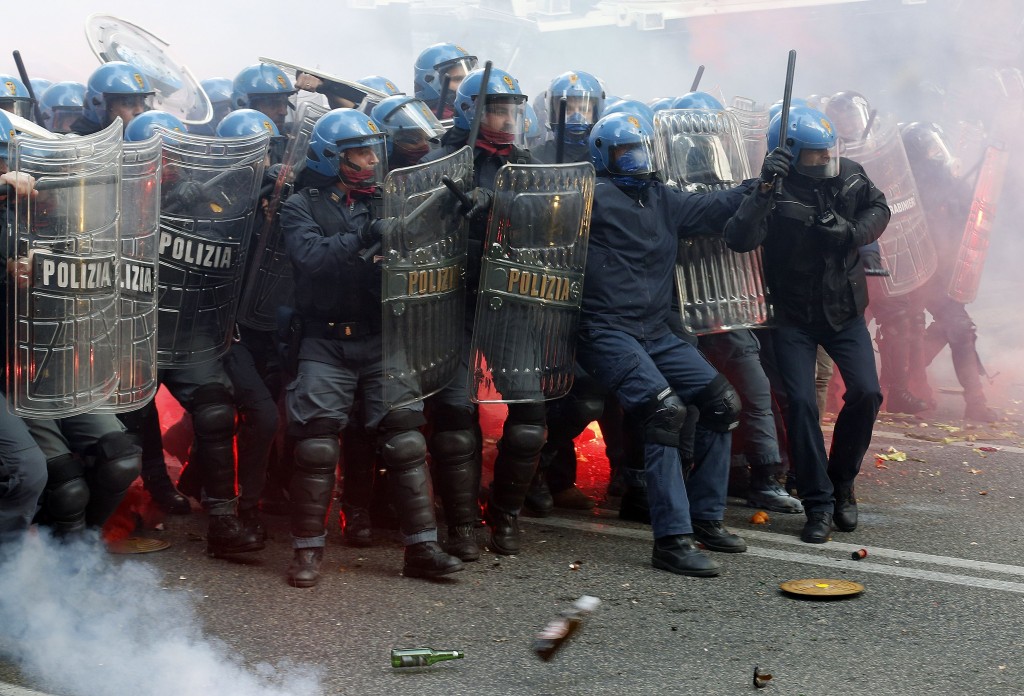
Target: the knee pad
(587, 410)
(399, 420)
(404, 450)
(213, 412)
(67, 493)
(118, 461)
(719, 405)
(317, 454)
(452, 445)
(523, 440)
(662, 417)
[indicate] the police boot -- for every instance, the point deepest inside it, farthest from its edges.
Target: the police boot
(455, 466)
(980, 412)
(165, 495)
(304, 570)
(539, 502)
(253, 523)
(65, 497)
(359, 464)
(767, 493)
(405, 453)
(679, 554)
(902, 401)
(190, 480)
(845, 517)
(514, 467)
(227, 535)
(356, 529)
(818, 527)
(118, 461)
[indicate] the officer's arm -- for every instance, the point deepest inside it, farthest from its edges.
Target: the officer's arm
(310, 251)
(747, 227)
(872, 216)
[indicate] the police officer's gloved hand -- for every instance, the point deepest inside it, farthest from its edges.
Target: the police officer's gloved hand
(370, 235)
(187, 196)
(776, 164)
(481, 199)
(838, 231)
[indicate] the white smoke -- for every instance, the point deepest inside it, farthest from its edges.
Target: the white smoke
(78, 622)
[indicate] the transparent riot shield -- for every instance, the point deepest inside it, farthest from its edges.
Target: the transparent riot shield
(753, 120)
(209, 197)
(907, 250)
(62, 251)
(718, 289)
(177, 90)
(137, 279)
(268, 280)
(424, 278)
(531, 281)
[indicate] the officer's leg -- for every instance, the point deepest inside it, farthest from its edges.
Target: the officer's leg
(581, 407)
(613, 431)
(143, 426)
(318, 400)
(404, 451)
(896, 329)
(795, 351)
(851, 349)
(22, 476)
(963, 340)
(518, 452)
(621, 364)
(454, 451)
(115, 462)
(66, 495)
(358, 468)
(257, 428)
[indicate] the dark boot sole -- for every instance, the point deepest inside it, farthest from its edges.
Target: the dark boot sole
(429, 572)
(721, 549)
(503, 550)
(463, 554)
(844, 527)
(699, 573)
(248, 548)
(303, 584)
(814, 540)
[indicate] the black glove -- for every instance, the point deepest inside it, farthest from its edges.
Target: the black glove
(838, 230)
(480, 203)
(370, 236)
(776, 164)
(186, 197)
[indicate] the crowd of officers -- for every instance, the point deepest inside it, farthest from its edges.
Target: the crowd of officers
(672, 407)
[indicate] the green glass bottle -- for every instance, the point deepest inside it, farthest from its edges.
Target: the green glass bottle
(422, 657)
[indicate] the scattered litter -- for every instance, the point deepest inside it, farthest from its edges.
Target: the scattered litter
(759, 517)
(859, 554)
(761, 679)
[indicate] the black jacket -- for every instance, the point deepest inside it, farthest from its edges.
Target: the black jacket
(810, 279)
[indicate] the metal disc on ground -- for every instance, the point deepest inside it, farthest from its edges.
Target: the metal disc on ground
(137, 545)
(822, 588)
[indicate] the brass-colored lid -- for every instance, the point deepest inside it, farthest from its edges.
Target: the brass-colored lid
(822, 587)
(137, 545)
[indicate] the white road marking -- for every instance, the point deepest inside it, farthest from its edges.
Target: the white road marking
(846, 564)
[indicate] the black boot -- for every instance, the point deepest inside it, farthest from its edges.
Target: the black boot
(504, 531)
(845, 517)
(428, 560)
(252, 522)
(304, 570)
(902, 401)
(980, 412)
(518, 454)
(226, 535)
(634, 506)
(457, 470)
(678, 554)
(818, 528)
(715, 537)
(462, 542)
(767, 493)
(356, 529)
(538, 501)
(166, 496)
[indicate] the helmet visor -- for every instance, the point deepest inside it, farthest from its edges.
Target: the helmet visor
(412, 117)
(631, 159)
(62, 117)
(363, 164)
(18, 107)
(820, 163)
(504, 119)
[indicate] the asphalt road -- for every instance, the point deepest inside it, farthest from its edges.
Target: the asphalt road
(942, 610)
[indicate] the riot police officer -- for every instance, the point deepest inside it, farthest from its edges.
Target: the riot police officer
(584, 104)
(61, 105)
(115, 89)
(14, 97)
(437, 74)
(265, 88)
(328, 225)
(811, 233)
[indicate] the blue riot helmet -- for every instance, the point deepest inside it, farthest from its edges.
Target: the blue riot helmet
(622, 144)
(533, 134)
(144, 126)
(39, 86)
(14, 97)
(660, 103)
(811, 138)
(630, 106)
(6, 134)
(433, 65)
(61, 105)
(244, 122)
(697, 100)
(338, 138)
(584, 103)
(267, 89)
(381, 84)
(503, 97)
(776, 108)
(116, 89)
(219, 90)
(850, 114)
(411, 127)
